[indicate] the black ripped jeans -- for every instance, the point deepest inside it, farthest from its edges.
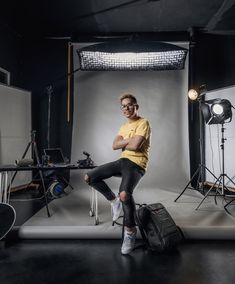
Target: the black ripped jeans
(130, 173)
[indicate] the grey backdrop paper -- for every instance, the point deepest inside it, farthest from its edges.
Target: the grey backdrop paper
(162, 96)
(213, 140)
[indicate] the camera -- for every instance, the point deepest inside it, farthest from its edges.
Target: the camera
(86, 163)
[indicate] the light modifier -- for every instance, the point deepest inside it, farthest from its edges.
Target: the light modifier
(132, 55)
(217, 111)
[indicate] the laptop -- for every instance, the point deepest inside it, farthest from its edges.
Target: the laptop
(56, 157)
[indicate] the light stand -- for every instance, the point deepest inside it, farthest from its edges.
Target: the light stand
(201, 167)
(221, 178)
(49, 91)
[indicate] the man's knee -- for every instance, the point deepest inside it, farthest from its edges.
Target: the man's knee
(124, 196)
(87, 178)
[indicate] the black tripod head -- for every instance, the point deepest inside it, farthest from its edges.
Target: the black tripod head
(33, 135)
(86, 154)
(86, 163)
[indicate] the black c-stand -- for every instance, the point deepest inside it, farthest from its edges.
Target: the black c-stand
(200, 172)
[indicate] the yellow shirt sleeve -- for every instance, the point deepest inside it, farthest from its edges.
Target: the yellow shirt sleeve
(143, 129)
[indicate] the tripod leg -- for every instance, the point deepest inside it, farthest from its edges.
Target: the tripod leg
(229, 180)
(223, 186)
(217, 191)
(44, 192)
(64, 179)
(198, 180)
(188, 184)
(35, 150)
(26, 150)
(231, 201)
(211, 172)
(208, 192)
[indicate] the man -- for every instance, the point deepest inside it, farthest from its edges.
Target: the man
(133, 140)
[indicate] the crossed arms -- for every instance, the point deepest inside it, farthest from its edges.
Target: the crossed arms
(132, 144)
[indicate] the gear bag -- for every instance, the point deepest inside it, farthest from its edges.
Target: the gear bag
(157, 227)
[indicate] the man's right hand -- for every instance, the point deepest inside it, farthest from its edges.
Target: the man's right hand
(120, 143)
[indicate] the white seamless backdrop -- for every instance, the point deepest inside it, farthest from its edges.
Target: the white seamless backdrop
(162, 96)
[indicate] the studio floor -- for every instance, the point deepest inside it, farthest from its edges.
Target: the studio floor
(100, 261)
(96, 260)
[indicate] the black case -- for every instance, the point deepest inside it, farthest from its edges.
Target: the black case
(157, 227)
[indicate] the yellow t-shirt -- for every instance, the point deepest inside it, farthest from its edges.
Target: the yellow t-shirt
(139, 127)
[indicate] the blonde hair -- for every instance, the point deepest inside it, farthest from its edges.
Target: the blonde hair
(128, 96)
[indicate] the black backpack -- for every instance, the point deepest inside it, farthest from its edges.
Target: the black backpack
(157, 227)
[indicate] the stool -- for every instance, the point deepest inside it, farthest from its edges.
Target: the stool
(94, 205)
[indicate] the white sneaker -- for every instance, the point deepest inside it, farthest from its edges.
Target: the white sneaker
(129, 242)
(116, 207)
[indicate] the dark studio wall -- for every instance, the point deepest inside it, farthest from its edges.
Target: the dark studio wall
(45, 64)
(215, 61)
(35, 64)
(11, 54)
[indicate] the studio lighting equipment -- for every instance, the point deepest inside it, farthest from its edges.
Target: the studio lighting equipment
(217, 111)
(57, 189)
(132, 56)
(196, 94)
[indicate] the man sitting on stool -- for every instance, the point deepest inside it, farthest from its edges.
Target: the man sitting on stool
(134, 140)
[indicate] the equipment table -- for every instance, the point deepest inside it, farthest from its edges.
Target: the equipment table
(6, 181)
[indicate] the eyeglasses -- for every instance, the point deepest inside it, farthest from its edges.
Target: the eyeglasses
(128, 106)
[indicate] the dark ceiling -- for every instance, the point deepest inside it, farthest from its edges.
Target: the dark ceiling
(55, 18)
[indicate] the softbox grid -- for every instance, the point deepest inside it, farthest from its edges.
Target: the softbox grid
(101, 61)
(132, 56)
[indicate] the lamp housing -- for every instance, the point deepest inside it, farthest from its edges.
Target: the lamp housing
(196, 93)
(217, 111)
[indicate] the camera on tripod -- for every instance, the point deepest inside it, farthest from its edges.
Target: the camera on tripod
(86, 163)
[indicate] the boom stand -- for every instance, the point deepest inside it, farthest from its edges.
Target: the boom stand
(49, 91)
(201, 168)
(33, 145)
(221, 179)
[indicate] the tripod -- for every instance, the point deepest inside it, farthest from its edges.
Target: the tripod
(221, 179)
(34, 149)
(201, 174)
(201, 167)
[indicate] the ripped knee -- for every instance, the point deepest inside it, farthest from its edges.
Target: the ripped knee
(124, 196)
(87, 178)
